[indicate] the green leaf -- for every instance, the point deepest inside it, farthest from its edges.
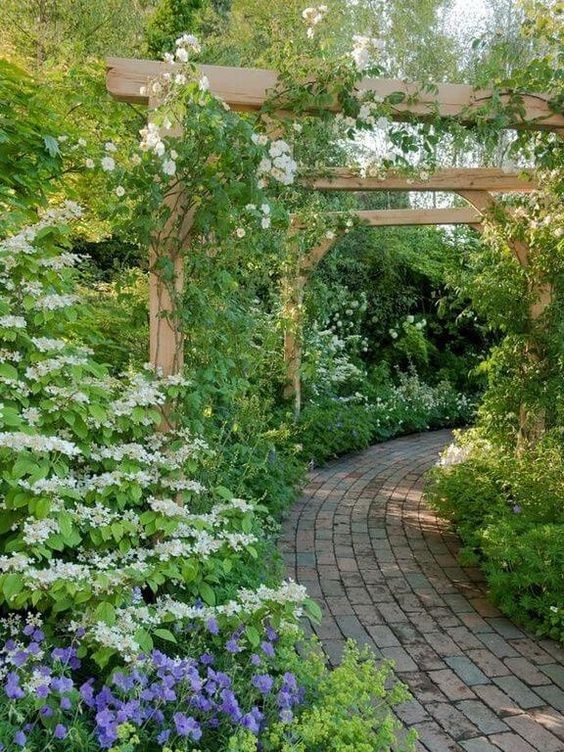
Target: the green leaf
(144, 639)
(313, 611)
(52, 145)
(207, 593)
(12, 585)
(224, 493)
(253, 635)
(105, 612)
(165, 634)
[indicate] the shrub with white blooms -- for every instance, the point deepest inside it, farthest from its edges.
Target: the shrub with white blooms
(97, 503)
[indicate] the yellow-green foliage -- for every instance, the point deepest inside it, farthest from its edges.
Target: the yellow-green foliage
(351, 712)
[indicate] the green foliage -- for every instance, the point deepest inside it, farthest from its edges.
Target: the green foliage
(30, 154)
(331, 428)
(350, 712)
(169, 20)
(508, 510)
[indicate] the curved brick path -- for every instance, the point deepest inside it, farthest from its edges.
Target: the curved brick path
(384, 570)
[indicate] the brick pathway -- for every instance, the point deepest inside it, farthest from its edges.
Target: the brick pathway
(384, 569)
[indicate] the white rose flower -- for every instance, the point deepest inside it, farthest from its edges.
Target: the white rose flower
(169, 167)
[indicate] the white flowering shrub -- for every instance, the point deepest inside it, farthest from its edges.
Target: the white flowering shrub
(100, 507)
(328, 363)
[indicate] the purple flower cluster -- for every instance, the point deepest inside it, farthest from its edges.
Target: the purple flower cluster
(150, 697)
(166, 698)
(50, 684)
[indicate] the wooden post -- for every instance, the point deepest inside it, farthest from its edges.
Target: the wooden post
(293, 332)
(531, 423)
(293, 292)
(166, 278)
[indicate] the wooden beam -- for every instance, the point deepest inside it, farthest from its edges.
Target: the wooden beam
(249, 89)
(452, 179)
(293, 293)
(408, 217)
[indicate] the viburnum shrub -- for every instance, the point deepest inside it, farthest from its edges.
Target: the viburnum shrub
(98, 503)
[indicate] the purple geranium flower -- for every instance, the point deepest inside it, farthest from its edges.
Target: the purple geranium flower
(187, 726)
(232, 646)
(268, 649)
(12, 688)
(262, 682)
(212, 626)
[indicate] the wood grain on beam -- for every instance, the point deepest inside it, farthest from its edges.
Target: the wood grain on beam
(452, 179)
(409, 217)
(249, 88)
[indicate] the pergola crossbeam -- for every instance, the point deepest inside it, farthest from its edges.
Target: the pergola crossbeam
(408, 217)
(452, 179)
(249, 89)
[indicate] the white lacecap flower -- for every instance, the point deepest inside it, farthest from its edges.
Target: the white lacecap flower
(31, 415)
(240, 232)
(18, 441)
(12, 322)
(110, 146)
(55, 302)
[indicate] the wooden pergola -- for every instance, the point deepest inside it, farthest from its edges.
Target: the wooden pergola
(475, 185)
(249, 89)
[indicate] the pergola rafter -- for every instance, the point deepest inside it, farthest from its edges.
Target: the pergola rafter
(451, 179)
(248, 89)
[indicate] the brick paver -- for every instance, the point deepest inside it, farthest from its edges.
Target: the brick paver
(384, 569)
